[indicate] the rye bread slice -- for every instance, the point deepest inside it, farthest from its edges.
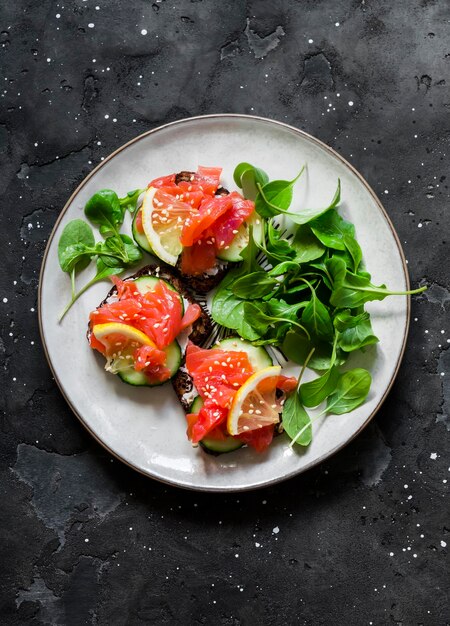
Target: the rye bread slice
(201, 328)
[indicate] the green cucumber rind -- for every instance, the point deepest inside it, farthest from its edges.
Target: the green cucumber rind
(257, 355)
(140, 238)
(139, 379)
(233, 253)
(215, 445)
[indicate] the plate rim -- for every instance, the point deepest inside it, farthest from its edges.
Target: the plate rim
(332, 152)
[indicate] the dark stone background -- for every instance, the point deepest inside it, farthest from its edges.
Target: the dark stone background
(363, 538)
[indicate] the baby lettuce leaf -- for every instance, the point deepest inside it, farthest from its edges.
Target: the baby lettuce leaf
(76, 237)
(316, 391)
(103, 271)
(351, 391)
(296, 419)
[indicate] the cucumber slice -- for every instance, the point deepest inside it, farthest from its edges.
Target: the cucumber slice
(233, 253)
(257, 355)
(217, 446)
(148, 283)
(140, 238)
(139, 379)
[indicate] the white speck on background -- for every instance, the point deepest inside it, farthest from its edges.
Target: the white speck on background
(91, 25)
(276, 530)
(443, 544)
(350, 104)
(310, 40)
(433, 456)
(144, 31)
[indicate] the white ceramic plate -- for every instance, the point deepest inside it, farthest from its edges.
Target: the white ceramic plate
(145, 428)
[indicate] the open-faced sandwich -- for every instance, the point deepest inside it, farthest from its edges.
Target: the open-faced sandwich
(189, 221)
(143, 325)
(232, 395)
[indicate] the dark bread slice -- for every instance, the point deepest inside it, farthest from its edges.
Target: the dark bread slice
(202, 283)
(201, 328)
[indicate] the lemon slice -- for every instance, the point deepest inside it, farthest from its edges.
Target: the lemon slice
(163, 221)
(120, 341)
(255, 405)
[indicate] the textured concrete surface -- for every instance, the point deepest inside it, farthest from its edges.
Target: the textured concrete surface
(363, 539)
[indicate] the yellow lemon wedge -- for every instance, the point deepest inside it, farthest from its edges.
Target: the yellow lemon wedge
(255, 404)
(163, 222)
(116, 337)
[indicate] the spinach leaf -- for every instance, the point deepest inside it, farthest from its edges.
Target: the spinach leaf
(275, 197)
(314, 392)
(306, 215)
(317, 319)
(104, 210)
(254, 286)
(336, 268)
(240, 170)
(296, 420)
(296, 347)
(331, 229)
(258, 318)
(228, 310)
(306, 245)
(355, 331)
(250, 179)
(355, 251)
(283, 268)
(351, 391)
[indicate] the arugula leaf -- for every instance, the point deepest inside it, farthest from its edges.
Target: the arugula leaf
(314, 392)
(296, 420)
(353, 290)
(351, 391)
(104, 210)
